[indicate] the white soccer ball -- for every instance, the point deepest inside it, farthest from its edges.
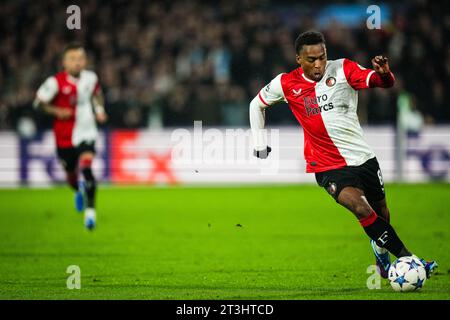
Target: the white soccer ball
(407, 274)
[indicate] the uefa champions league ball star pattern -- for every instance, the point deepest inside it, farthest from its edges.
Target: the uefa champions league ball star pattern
(407, 274)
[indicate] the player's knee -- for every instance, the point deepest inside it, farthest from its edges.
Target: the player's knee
(85, 163)
(362, 211)
(86, 169)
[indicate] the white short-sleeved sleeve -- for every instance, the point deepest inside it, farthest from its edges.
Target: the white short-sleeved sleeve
(273, 92)
(48, 90)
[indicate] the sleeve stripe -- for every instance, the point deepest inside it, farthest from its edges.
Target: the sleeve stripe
(259, 95)
(42, 99)
(96, 88)
(368, 77)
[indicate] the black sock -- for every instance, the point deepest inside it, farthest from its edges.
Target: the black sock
(90, 185)
(72, 180)
(384, 235)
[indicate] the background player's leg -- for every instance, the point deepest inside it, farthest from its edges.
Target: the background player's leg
(68, 159)
(376, 227)
(86, 158)
(85, 162)
(72, 179)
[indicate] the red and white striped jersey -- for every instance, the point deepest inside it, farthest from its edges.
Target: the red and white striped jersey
(327, 112)
(64, 91)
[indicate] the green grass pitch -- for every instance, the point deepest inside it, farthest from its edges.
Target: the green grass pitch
(271, 242)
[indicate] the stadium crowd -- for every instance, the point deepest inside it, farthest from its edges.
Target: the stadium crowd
(170, 63)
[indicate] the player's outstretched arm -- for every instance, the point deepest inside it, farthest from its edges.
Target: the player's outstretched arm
(360, 78)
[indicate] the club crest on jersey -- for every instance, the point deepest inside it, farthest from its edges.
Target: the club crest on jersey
(331, 81)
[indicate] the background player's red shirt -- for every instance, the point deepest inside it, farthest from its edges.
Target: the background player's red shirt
(64, 91)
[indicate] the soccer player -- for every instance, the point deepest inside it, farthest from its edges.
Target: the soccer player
(323, 96)
(74, 98)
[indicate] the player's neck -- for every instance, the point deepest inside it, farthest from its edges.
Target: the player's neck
(309, 78)
(73, 77)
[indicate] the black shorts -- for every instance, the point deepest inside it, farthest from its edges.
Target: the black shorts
(68, 157)
(366, 177)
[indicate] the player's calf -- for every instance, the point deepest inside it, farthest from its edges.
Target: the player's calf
(72, 179)
(77, 186)
(90, 184)
(384, 235)
(79, 197)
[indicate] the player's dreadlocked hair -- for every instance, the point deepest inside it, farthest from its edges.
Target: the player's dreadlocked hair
(308, 38)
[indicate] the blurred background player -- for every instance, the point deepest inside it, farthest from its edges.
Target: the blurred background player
(74, 98)
(323, 96)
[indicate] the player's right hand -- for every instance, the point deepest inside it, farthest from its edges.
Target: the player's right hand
(101, 117)
(380, 65)
(63, 113)
(263, 154)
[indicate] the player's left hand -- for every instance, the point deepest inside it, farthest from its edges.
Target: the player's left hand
(101, 117)
(380, 65)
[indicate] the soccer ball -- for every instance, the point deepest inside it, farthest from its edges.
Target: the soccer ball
(407, 274)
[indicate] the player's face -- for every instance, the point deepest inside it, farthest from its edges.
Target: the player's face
(74, 61)
(313, 59)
